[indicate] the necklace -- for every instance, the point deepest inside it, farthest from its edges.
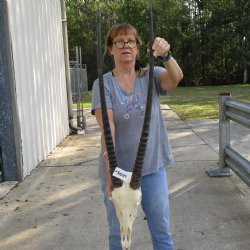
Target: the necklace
(129, 92)
(126, 88)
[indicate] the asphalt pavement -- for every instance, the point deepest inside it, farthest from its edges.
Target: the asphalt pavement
(60, 205)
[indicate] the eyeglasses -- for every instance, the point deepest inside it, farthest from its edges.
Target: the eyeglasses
(121, 44)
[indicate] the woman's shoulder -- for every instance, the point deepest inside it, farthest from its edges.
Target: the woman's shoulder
(159, 69)
(144, 72)
(106, 77)
(108, 74)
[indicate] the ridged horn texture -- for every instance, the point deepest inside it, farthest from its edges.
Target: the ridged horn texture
(135, 182)
(106, 127)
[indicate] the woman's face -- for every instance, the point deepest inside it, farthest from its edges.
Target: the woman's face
(126, 53)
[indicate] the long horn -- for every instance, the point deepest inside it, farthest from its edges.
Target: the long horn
(135, 182)
(106, 127)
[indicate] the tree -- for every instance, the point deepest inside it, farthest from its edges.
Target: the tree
(205, 35)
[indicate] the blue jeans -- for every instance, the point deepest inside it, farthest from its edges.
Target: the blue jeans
(155, 205)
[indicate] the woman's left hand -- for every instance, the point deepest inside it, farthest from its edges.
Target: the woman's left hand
(161, 47)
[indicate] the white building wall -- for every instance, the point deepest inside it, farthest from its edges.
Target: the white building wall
(38, 57)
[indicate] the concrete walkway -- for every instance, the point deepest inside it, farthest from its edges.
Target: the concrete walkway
(59, 206)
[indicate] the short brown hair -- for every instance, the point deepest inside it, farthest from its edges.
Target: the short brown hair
(123, 28)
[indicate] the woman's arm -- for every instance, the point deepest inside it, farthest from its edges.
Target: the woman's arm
(168, 79)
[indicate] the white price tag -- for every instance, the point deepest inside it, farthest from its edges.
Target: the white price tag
(122, 174)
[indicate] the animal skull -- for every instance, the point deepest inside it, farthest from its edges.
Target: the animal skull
(126, 201)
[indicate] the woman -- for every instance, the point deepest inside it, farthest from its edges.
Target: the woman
(126, 95)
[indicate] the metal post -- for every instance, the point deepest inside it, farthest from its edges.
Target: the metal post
(78, 83)
(66, 58)
(224, 139)
(224, 130)
(67, 68)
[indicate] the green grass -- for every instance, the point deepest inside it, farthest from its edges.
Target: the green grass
(193, 103)
(87, 101)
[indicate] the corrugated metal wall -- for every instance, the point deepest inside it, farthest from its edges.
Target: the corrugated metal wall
(38, 57)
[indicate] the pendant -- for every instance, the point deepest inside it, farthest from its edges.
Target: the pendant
(126, 116)
(130, 97)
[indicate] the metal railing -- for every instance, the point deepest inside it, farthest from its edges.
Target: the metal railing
(239, 112)
(79, 85)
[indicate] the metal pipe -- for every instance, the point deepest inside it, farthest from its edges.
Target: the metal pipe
(238, 118)
(239, 112)
(239, 164)
(224, 139)
(224, 129)
(240, 172)
(239, 159)
(239, 105)
(67, 68)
